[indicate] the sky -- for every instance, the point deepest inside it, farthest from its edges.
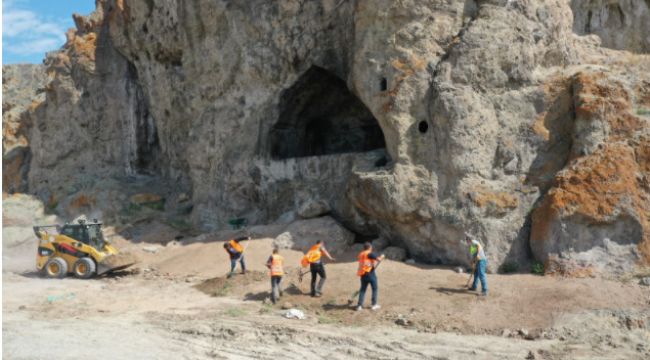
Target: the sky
(30, 28)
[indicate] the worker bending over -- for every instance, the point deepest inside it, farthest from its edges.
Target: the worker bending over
(479, 262)
(313, 258)
(368, 262)
(236, 253)
(275, 264)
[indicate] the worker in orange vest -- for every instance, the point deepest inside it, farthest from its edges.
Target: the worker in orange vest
(368, 261)
(236, 253)
(316, 266)
(275, 264)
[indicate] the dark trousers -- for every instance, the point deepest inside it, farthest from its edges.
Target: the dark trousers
(276, 291)
(316, 270)
(368, 279)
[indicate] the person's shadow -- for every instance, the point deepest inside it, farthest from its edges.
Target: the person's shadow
(450, 291)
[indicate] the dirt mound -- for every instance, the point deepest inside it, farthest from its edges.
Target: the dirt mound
(223, 286)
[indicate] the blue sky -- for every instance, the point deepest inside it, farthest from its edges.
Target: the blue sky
(30, 28)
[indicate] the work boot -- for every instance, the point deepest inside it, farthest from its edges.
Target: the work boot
(375, 307)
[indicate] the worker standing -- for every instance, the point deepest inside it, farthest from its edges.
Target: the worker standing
(479, 261)
(368, 262)
(275, 264)
(313, 258)
(236, 253)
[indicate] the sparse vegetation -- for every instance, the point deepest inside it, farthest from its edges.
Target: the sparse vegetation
(643, 112)
(537, 268)
(509, 267)
(156, 205)
(224, 290)
(131, 210)
(235, 312)
(179, 224)
(266, 308)
(323, 319)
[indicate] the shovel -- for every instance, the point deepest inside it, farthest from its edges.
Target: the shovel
(471, 274)
(301, 275)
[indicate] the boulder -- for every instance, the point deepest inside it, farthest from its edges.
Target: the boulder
(302, 234)
(380, 243)
(395, 253)
(314, 208)
(283, 241)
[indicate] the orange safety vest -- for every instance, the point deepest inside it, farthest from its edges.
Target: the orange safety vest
(312, 255)
(235, 245)
(366, 264)
(276, 265)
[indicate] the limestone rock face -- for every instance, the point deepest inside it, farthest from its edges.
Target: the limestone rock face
(22, 92)
(619, 24)
(416, 121)
(313, 209)
(597, 212)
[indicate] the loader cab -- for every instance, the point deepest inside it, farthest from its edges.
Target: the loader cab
(87, 233)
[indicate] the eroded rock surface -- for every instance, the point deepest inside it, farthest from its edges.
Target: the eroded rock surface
(414, 120)
(22, 92)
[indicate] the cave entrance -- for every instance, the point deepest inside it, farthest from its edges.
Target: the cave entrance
(320, 116)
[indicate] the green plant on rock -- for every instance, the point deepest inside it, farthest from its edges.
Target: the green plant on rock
(537, 268)
(642, 111)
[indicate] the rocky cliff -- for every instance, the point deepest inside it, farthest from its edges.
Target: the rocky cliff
(525, 123)
(22, 91)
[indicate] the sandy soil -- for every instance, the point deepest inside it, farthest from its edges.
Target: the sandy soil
(167, 309)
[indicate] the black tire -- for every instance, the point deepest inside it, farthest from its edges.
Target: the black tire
(56, 268)
(84, 268)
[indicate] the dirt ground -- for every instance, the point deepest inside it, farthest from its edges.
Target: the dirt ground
(177, 304)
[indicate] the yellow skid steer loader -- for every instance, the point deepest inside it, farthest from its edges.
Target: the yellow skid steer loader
(79, 249)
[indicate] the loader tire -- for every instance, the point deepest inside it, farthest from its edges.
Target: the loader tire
(84, 268)
(56, 268)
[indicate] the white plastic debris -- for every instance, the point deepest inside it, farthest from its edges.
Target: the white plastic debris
(295, 314)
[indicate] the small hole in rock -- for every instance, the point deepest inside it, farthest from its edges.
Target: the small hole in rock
(383, 85)
(423, 126)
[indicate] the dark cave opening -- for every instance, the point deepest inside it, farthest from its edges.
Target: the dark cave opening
(320, 116)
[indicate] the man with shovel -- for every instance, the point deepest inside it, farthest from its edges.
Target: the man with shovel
(236, 253)
(368, 262)
(479, 262)
(316, 266)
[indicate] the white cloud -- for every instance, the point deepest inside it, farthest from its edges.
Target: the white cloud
(27, 33)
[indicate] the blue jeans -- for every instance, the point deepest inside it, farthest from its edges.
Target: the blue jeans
(368, 279)
(276, 290)
(479, 274)
(233, 263)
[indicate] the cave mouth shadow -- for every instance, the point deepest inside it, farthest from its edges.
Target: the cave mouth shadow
(318, 115)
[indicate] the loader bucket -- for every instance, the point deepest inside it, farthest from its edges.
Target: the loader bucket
(116, 262)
